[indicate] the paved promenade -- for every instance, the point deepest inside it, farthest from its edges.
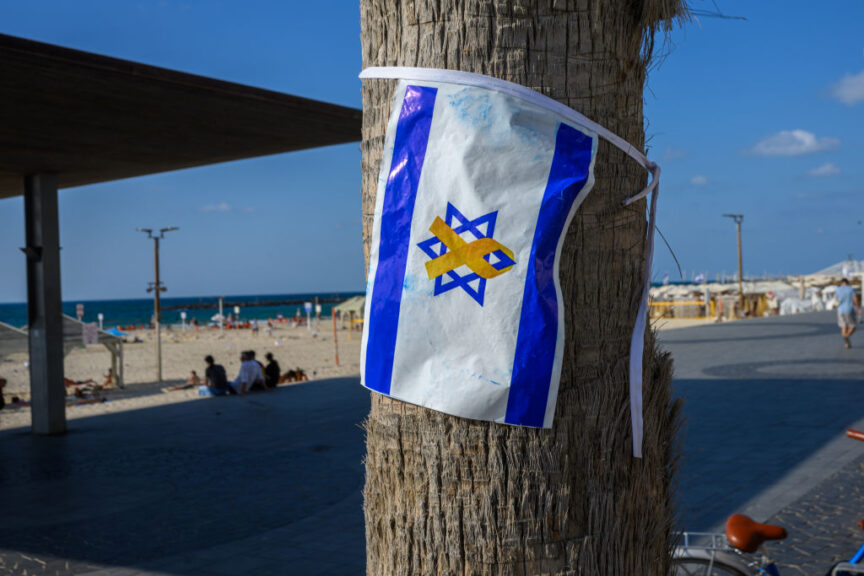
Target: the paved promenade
(271, 484)
(767, 404)
(264, 484)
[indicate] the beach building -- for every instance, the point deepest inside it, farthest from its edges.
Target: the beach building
(69, 118)
(718, 300)
(792, 295)
(350, 313)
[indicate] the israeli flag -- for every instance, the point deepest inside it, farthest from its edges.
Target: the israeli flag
(463, 310)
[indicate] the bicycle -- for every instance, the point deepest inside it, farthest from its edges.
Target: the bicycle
(735, 552)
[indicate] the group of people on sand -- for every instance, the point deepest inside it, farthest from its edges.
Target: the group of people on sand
(253, 377)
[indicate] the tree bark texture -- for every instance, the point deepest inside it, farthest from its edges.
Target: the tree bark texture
(451, 496)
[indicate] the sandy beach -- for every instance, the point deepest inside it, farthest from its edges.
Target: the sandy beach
(310, 350)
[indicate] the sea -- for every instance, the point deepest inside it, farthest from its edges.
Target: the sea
(139, 311)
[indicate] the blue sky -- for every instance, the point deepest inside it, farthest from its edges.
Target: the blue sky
(762, 117)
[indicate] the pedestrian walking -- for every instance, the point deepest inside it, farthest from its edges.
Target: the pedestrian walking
(848, 304)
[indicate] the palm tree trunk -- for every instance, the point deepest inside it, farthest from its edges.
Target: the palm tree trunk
(446, 495)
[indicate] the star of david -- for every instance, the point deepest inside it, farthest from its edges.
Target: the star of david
(472, 283)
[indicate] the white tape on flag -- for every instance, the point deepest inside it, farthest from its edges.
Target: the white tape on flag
(637, 342)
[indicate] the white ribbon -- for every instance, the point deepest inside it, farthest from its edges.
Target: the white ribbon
(637, 341)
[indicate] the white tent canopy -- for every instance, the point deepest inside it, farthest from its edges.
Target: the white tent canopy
(15, 340)
(355, 304)
(842, 269)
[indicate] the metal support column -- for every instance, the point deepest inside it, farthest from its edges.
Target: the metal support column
(738, 218)
(157, 310)
(740, 268)
(121, 383)
(44, 304)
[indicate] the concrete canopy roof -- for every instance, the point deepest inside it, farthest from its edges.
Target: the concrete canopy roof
(90, 118)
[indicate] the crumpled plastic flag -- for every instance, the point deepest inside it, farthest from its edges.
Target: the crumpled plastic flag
(479, 181)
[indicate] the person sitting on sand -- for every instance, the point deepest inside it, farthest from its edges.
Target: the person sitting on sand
(2, 385)
(271, 372)
(193, 381)
(110, 379)
(260, 383)
(249, 376)
(215, 380)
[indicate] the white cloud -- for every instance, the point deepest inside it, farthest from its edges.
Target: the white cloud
(793, 143)
(850, 90)
(221, 207)
(698, 180)
(671, 153)
(827, 169)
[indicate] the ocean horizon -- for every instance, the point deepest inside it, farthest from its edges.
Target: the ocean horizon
(138, 311)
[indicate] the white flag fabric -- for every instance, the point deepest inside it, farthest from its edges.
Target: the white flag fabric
(476, 191)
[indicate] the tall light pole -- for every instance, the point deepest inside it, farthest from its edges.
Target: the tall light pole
(157, 288)
(738, 218)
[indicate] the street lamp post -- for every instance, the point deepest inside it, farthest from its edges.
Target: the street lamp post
(157, 288)
(738, 218)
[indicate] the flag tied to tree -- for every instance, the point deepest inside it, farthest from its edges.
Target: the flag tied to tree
(479, 181)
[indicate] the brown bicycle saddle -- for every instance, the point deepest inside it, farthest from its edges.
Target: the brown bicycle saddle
(747, 535)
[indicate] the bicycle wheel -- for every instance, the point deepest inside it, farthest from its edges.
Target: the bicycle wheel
(699, 567)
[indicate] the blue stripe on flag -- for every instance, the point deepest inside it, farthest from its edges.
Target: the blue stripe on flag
(409, 151)
(538, 325)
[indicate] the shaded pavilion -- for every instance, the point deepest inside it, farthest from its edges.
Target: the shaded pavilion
(70, 118)
(15, 340)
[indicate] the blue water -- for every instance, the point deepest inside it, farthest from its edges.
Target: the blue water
(140, 311)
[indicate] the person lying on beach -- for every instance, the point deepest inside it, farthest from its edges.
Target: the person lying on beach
(83, 401)
(85, 395)
(72, 383)
(215, 380)
(297, 375)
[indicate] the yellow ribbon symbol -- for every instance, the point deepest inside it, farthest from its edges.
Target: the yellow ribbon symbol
(461, 253)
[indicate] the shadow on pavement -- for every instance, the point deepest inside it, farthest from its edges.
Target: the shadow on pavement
(766, 404)
(743, 436)
(135, 488)
(270, 483)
